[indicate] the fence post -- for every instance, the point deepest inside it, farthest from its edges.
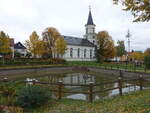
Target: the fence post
(120, 85)
(60, 89)
(33, 82)
(144, 69)
(141, 82)
(91, 92)
(121, 74)
(126, 67)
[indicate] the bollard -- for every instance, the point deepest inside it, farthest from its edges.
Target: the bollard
(120, 85)
(60, 84)
(120, 74)
(141, 82)
(91, 92)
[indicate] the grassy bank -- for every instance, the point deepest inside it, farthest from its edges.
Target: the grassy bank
(29, 66)
(138, 102)
(106, 65)
(111, 65)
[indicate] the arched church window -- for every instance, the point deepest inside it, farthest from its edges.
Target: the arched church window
(90, 53)
(84, 53)
(71, 52)
(93, 41)
(78, 52)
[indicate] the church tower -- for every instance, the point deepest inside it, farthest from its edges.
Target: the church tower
(90, 29)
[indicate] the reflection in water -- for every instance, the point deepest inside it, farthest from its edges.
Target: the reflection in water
(80, 78)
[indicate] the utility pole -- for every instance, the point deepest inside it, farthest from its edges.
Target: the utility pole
(128, 37)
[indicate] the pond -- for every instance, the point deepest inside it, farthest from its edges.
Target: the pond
(85, 79)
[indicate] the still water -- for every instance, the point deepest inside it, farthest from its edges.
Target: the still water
(85, 78)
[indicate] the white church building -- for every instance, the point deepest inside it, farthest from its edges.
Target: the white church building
(82, 49)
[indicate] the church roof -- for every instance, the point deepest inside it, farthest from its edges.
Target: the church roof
(90, 19)
(19, 45)
(78, 41)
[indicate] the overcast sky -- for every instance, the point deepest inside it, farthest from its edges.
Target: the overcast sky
(19, 18)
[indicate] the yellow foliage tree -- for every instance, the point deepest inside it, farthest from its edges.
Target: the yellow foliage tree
(41, 48)
(106, 48)
(61, 46)
(137, 56)
(147, 52)
(4, 44)
(35, 45)
(54, 42)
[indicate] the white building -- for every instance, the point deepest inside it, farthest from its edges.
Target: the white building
(81, 49)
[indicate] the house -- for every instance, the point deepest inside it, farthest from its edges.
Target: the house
(20, 48)
(81, 49)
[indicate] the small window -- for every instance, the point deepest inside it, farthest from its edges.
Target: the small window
(78, 52)
(71, 52)
(90, 53)
(93, 37)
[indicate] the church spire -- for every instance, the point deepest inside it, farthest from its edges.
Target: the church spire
(90, 19)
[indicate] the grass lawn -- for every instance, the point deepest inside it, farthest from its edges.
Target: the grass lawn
(109, 65)
(138, 102)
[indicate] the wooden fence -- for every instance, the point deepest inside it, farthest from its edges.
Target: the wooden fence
(139, 81)
(91, 86)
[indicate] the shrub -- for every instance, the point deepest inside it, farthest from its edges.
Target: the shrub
(33, 61)
(33, 96)
(58, 61)
(8, 92)
(5, 109)
(10, 88)
(147, 62)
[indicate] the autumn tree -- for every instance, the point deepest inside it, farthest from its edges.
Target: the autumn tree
(61, 46)
(147, 52)
(120, 48)
(147, 58)
(4, 44)
(140, 9)
(55, 43)
(35, 45)
(137, 56)
(106, 48)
